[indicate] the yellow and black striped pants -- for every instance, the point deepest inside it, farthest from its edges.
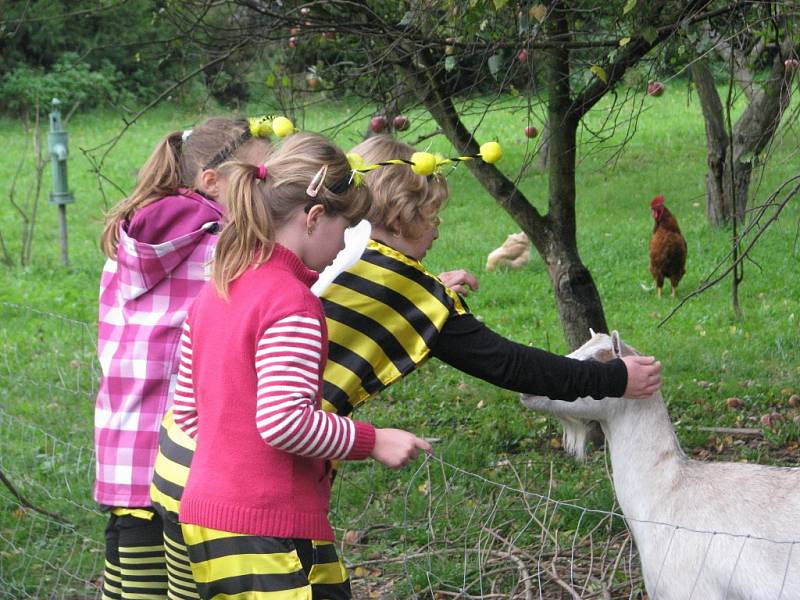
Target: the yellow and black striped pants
(236, 566)
(216, 554)
(135, 565)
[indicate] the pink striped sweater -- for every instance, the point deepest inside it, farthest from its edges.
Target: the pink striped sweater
(248, 389)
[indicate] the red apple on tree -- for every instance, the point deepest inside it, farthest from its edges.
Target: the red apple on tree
(531, 131)
(312, 81)
(522, 55)
(401, 123)
(295, 31)
(655, 88)
(328, 35)
(293, 42)
(791, 65)
(377, 124)
(305, 11)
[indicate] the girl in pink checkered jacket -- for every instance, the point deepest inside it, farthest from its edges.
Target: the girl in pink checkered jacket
(159, 242)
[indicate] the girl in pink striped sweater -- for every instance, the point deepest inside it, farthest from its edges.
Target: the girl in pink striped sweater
(255, 510)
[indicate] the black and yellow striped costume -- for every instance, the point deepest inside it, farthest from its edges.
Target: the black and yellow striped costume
(383, 315)
(134, 566)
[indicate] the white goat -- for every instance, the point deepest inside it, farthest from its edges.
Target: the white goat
(704, 531)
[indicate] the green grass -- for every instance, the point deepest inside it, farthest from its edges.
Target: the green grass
(49, 374)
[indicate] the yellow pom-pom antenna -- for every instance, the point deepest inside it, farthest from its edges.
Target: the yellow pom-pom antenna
(358, 167)
(427, 163)
(260, 127)
(491, 152)
(282, 126)
(424, 163)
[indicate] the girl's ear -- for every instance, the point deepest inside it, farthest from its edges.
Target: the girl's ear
(313, 217)
(209, 183)
(394, 227)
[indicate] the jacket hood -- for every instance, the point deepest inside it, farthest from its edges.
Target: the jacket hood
(142, 266)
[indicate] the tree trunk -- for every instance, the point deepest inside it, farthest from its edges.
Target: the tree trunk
(751, 134)
(577, 298)
(718, 209)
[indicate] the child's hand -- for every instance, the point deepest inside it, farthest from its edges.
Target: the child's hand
(396, 448)
(644, 376)
(461, 281)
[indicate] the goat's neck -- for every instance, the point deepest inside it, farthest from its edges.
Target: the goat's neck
(645, 455)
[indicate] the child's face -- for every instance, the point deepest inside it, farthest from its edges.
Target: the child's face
(327, 240)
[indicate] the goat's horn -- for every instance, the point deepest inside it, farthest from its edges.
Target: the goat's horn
(616, 345)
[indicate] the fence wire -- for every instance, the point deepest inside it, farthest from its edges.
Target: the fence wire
(437, 532)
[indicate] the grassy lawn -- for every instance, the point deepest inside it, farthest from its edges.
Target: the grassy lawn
(501, 497)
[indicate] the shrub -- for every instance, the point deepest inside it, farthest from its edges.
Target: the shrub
(70, 80)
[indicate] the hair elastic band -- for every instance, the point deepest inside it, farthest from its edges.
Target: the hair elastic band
(261, 175)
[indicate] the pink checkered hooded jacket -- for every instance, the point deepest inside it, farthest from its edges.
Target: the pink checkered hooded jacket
(144, 298)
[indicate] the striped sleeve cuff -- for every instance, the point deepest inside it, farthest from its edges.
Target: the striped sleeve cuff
(364, 443)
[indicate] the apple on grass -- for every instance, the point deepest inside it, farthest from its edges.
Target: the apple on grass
(655, 88)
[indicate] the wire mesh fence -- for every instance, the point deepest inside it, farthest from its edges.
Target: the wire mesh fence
(50, 529)
(438, 531)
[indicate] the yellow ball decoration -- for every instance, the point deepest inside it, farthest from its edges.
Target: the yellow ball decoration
(260, 127)
(356, 162)
(491, 152)
(424, 163)
(282, 126)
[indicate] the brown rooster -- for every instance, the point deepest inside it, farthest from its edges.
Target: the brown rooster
(667, 247)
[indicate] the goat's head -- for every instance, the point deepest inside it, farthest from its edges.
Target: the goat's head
(576, 416)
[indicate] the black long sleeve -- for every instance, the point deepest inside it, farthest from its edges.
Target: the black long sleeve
(470, 346)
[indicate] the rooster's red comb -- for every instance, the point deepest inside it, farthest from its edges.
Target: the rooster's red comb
(657, 201)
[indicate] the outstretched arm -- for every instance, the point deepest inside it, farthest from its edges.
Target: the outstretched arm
(470, 346)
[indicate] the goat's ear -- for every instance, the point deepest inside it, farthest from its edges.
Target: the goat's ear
(616, 344)
(591, 332)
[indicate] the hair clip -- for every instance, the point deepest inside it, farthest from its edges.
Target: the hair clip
(316, 183)
(261, 173)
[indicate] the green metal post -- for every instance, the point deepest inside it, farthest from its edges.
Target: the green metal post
(59, 152)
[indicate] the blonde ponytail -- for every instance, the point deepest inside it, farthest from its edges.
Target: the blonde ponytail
(247, 236)
(159, 177)
(176, 162)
